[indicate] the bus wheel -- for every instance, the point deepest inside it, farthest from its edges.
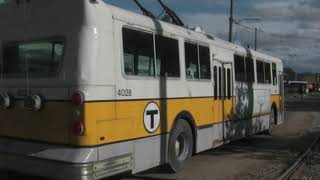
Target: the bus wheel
(180, 145)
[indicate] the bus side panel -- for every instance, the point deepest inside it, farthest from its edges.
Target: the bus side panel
(126, 121)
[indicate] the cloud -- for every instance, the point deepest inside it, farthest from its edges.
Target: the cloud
(294, 27)
(301, 11)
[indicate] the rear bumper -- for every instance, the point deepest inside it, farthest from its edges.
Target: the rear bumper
(64, 162)
(67, 171)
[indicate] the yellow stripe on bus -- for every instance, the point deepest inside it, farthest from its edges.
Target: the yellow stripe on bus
(108, 122)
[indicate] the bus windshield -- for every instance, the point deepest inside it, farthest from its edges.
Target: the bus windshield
(40, 59)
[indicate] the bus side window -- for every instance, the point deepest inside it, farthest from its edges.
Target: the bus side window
(197, 62)
(215, 79)
(229, 83)
(204, 55)
(191, 58)
(224, 83)
(260, 71)
(138, 53)
(220, 83)
(167, 50)
(267, 71)
(239, 66)
(274, 74)
(249, 70)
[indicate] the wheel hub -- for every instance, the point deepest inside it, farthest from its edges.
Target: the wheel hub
(181, 147)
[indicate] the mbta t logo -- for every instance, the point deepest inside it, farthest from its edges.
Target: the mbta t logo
(151, 118)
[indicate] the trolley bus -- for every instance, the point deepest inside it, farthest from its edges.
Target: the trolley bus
(89, 90)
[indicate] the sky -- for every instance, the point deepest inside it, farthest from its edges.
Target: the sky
(288, 29)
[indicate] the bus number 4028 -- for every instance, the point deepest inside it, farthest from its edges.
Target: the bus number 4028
(125, 92)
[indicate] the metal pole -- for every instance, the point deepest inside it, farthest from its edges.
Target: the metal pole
(255, 38)
(231, 21)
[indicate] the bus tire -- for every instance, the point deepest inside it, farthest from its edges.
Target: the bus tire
(180, 145)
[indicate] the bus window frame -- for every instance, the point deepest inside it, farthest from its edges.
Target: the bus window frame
(153, 32)
(122, 52)
(197, 43)
(220, 82)
(244, 65)
(274, 83)
(215, 81)
(247, 58)
(270, 72)
(37, 40)
(264, 73)
(229, 85)
(155, 54)
(256, 71)
(224, 80)
(210, 64)
(184, 51)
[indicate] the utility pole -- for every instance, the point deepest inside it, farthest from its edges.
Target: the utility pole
(255, 38)
(231, 21)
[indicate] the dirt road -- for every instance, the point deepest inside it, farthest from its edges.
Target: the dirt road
(257, 157)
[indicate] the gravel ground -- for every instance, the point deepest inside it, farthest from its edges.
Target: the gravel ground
(311, 168)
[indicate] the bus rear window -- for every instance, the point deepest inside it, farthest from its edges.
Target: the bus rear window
(41, 59)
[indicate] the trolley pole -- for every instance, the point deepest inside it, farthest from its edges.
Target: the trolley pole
(231, 22)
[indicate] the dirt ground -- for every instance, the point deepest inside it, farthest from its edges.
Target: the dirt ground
(258, 157)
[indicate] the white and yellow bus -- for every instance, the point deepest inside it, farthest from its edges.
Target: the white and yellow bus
(88, 90)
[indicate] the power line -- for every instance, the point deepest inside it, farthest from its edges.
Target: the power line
(247, 27)
(277, 37)
(284, 36)
(289, 36)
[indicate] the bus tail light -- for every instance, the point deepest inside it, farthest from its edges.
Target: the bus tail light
(78, 128)
(77, 99)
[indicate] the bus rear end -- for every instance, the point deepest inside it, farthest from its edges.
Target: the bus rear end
(41, 116)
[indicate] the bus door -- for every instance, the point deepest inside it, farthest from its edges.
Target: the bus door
(223, 94)
(217, 91)
(227, 99)
(281, 89)
(227, 91)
